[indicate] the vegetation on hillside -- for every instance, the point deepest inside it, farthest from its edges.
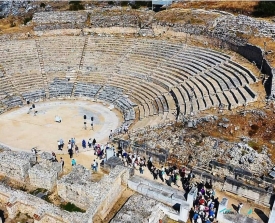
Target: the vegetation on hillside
(256, 8)
(264, 9)
(75, 6)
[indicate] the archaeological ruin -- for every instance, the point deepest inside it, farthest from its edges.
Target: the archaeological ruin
(193, 93)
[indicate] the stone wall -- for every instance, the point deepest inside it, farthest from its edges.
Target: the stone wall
(240, 174)
(44, 174)
(59, 20)
(74, 186)
(16, 164)
(99, 197)
(140, 208)
(165, 194)
(256, 54)
(158, 155)
(40, 210)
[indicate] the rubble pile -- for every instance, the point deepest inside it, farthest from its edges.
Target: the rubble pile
(200, 149)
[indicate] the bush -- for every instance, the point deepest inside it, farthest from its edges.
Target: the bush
(255, 127)
(138, 4)
(75, 6)
(26, 20)
(264, 9)
(254, 145)
(71, 207)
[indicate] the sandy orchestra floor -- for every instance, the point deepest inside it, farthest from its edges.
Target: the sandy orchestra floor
(23, 131)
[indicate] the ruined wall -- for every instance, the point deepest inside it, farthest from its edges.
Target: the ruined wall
(44, 174)
(256, 54)
(74, 187)
(111, 188)
(40, 210)
(140, 208)
(59, 20)
(159, 155)
(21, 163)
(97, 197)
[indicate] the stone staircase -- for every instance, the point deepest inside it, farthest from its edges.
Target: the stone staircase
(73, 77)
(41, 62)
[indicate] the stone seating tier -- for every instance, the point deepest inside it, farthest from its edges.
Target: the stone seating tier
(110, 68)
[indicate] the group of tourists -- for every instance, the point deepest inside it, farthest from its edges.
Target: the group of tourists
(205, 206)
(132, 160)
(170, 175)
(99, 151)
(73, 148)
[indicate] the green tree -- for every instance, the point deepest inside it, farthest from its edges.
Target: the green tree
(265, 9)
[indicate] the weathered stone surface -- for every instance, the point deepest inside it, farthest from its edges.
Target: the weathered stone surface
(140, 208)
(44, 174)
(59, 20)
(98, 197)
(113, 162)
(21, 163)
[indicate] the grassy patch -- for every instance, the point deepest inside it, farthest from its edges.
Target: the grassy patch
(71, 207)
(254, 145)
(245, 7)
(244, 152)
(38, 190)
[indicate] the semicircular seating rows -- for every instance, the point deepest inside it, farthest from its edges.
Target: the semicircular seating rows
(141, 77)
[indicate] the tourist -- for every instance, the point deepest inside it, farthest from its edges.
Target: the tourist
(177, 177)
(111, 134)
(199, 219)
(62, 162)
(90, 143)
(94, 142)
(59, 145)
(53, 157)
(83, 144)
(34, 151)
(94, 166)
(73, 162)
(69, 145)
(195, 217)
(125, 161)
(190, 175)
(98, 153)
(141, 169)
(70, 151)
(73, 142)
(155, 173)
(76, 150)
(240, 205)
(162, 173)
